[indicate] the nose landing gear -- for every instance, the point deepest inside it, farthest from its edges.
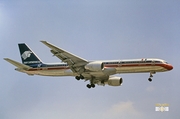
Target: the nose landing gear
(151, 75)
(150, 79)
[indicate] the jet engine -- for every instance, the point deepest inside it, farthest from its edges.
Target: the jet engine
(115, 81)
(94, 66)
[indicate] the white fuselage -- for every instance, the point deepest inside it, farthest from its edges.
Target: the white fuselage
(117, 66)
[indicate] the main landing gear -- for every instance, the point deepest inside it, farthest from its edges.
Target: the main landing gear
(90, 85)
(79, 77)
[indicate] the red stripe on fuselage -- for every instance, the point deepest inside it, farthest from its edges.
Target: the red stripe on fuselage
(49, 68)
(166, 66)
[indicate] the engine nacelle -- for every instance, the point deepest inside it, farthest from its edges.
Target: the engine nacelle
(115, 81)
(94, 66)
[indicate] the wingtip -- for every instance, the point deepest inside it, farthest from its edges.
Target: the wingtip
(5, 58)
(43, 41)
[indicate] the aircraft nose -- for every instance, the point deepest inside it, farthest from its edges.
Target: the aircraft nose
(169, 67)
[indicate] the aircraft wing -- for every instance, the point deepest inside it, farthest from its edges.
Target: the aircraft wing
(17, 64)
(72, 60)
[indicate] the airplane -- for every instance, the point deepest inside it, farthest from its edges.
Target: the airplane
(96, 72)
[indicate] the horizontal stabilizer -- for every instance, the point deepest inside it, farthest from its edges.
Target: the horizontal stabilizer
(17, 64)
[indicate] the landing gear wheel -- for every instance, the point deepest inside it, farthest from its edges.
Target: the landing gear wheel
(88, 86)
(81, 77)
(77, 77)
(92, 85)
(150, 79)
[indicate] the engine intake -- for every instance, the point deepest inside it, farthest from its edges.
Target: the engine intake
(115, 81)
(94, 66)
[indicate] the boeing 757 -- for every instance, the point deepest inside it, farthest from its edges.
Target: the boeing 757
(96, 72)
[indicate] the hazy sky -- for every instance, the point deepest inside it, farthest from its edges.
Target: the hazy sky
(93, 30)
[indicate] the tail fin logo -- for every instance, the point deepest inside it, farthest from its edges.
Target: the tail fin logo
(26, 54)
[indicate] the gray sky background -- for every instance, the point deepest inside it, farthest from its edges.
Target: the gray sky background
(94, 30)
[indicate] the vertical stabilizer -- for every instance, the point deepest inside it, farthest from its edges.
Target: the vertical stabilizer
(27, 55)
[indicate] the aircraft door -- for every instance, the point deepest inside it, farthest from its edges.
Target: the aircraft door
(119, 64)
(153, 62)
